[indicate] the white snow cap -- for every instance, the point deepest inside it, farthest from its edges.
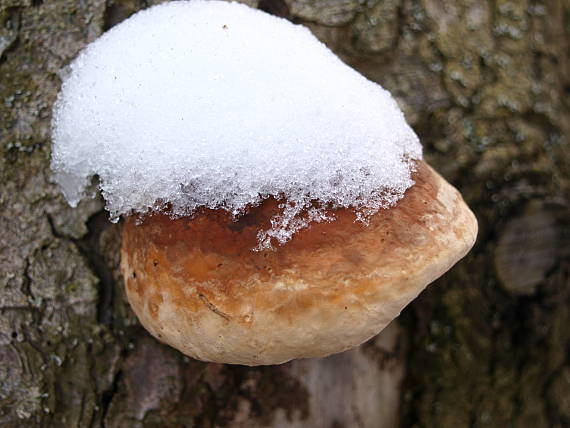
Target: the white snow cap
(215, 104)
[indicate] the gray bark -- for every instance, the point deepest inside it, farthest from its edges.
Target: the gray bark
(485, 85)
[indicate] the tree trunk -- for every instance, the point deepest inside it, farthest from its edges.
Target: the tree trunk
(485, 84)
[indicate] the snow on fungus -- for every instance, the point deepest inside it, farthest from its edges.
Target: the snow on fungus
(218, 105)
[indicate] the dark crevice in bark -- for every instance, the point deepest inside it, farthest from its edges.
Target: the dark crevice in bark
(400, 26)
(275, 7)
(107, 397)
(90, 248)
(212, 406)
(117, 11)
(9, 19)
(412, 392)
(27, 281)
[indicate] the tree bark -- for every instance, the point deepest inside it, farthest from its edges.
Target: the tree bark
(486, 86)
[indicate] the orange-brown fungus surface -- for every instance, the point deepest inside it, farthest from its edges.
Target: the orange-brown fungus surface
(183, 267)
(215, 253)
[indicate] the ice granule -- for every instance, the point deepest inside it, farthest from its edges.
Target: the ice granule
(215, 104)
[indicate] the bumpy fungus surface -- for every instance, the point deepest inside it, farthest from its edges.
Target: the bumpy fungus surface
(196, 285)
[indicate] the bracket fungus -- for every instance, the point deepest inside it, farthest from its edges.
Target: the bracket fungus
(275, 201)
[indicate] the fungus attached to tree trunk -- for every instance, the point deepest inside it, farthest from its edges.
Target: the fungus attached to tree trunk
(276, 205)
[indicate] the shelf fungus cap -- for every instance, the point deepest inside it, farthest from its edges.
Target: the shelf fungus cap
(196, 285)
(275, 201)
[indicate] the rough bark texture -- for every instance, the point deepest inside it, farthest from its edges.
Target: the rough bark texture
(486, 86)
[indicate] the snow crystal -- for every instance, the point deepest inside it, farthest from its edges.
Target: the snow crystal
(208, 103)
